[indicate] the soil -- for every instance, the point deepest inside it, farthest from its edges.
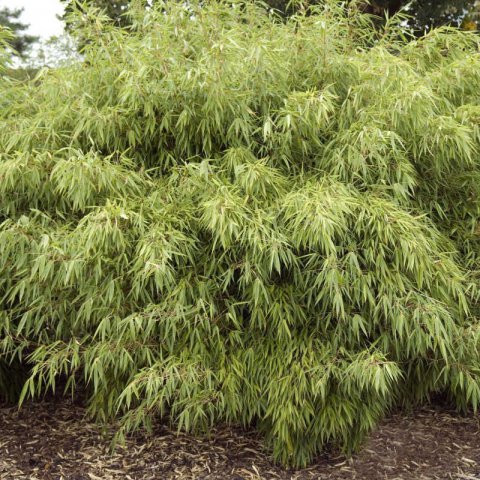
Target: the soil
(55, 440)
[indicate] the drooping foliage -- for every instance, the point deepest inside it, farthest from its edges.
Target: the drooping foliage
(224, 217)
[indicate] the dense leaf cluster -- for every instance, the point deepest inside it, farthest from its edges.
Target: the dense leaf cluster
(424, 14)
(224, 217)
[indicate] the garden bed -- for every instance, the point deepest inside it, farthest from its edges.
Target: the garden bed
(55, 440)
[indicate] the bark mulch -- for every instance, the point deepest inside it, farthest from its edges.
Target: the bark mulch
(54, 440)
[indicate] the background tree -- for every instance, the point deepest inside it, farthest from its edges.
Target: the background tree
(426, 13)
(20, 42)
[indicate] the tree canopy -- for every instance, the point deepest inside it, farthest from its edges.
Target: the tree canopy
(227, 216)
(426, 13)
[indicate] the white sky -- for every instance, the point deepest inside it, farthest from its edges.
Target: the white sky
(40, 14)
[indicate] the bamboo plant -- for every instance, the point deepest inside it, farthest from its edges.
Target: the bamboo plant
(223, 216)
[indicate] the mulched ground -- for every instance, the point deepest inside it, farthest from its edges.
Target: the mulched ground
(54, 440)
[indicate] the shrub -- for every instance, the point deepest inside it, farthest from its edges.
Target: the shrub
(222, 216)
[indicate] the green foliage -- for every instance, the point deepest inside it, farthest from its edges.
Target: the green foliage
(424, 14)
(115, 9)
(225, 217)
